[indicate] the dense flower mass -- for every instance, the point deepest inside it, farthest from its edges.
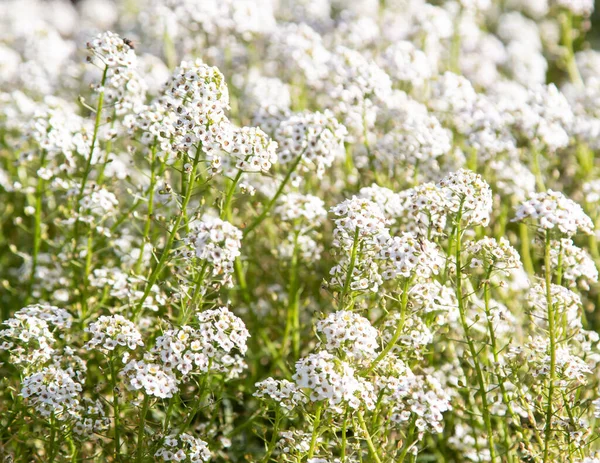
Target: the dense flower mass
(552, 209)
(323, 231)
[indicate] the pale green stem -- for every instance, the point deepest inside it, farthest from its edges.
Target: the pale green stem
(350, 271)
(274, 199)
(398, 332)
(148, 223)
(142, 429)
(551, 334)
(370, 444)
(315, 432)
(171, 239)
(473, 351)
(37, 225)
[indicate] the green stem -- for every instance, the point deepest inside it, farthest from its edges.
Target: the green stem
(525, 250)
(409, 439)
(274, 436)
(344, 438)
(37, 225)
(171, 239)
(463, 319)
(141, 429)
(350, 268)
(250, 228)
(148, 223)
(315, 432)
(226, 209)
(539, 178)
(372, 448)
(551, 334)
(399, 328)
(88, 163)
(117, 430)
(293, 313)
(51, 452)
(566, 27)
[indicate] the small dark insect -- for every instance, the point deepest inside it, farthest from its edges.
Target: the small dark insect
(129, 43)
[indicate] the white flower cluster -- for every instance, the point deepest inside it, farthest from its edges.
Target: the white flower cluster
(407, 64)
(466, 192)
(98, 202)
(308, 210)
(111, 332)
(353, 86)
(350, 334)
(358, 216)
(407, 256)
(91, 419)
(361, 228)
(416, 142)
(552, 209)
(198, 95)
(498, 255)
(183, 447)
(425, 210)
(583, 8)
(285, 393)
(123, 88)
(112, 50)
(152, 379)
(316, 138)
(29, 335)
(409, 396)
(217, 345)
(251, 150)
(216, 242)
(565, 303)
(52, 392)
(575, 263)
(334, 381)
(389, 202)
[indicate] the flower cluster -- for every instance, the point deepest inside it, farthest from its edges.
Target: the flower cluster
(313, 139)
(111, 332)
(552, 209)
(333, 381)
(183, 447)
(215, 242)
(53, 392)
(349, 333)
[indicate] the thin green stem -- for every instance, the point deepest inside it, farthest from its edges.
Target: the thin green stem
(350, 271)
(551, 334)
(372, 448)
(274, 436)
(399, 327)
(148, 223)
(292, 316)
(37, 225)
(473, 351)
(226, 209)
(250, 228)
(141, 429)
(115, 392)
(315, 431)
(97, 121)
(566, 29)
(344, 437)
(171, 239)
(409, 439)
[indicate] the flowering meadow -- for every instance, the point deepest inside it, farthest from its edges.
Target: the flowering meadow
(299, 231)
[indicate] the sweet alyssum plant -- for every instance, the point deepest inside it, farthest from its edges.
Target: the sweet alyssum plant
(323, 233)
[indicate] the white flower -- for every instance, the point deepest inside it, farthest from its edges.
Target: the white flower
(553, 210)
(111, 332)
